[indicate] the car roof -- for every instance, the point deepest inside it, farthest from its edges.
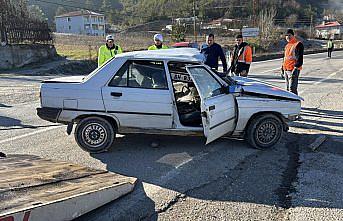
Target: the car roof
(174, 54)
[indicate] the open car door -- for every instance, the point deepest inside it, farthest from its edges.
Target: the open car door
(218, 109)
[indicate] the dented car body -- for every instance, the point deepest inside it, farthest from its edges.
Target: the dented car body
(166, 92)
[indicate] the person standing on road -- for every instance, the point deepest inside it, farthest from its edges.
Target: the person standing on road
(158, 39)
(330, 48)
(292, 61)
(108, 51)
(241, 58)
(212, 52)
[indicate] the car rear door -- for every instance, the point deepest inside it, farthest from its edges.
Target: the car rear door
(138, 95)
(218, 109)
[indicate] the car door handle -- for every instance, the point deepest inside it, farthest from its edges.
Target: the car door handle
(116, 94)
(212, 107)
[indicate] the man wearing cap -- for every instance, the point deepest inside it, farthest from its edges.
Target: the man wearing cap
(212, 52)
(158, 39)
(108, 51)
(241, 58)
(292, 61)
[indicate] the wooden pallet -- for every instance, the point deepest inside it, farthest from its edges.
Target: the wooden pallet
(32, 188)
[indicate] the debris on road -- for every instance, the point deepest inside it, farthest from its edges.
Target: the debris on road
(318, 142)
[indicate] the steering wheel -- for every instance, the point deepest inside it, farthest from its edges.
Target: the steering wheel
(186, 88)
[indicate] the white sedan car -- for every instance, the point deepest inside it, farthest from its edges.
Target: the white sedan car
(166, 92)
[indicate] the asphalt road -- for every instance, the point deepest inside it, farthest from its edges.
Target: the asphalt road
(183, 179)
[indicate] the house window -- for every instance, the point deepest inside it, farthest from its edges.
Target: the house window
(69, 27)
(101, 27)
(95, 27)
(69, 19)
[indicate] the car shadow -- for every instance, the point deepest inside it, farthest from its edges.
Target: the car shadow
(4, 106)
(156, 166)
(9, 123)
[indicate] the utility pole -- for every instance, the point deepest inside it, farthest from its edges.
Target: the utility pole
(195, 23)
(311, 21)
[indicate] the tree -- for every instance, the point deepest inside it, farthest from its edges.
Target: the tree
(266, 26)
(36, 13)
(61, 10)
(290, 20)
(178, 32)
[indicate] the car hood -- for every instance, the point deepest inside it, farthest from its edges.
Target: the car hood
(260, 88)
(71, 79)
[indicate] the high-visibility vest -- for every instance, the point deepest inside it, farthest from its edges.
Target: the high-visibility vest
(330, 44)
(290, 58)
(106, 54)
(154, 47)
(245, 55)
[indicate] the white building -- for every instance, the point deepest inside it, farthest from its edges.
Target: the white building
(81, 22)
(327, 30)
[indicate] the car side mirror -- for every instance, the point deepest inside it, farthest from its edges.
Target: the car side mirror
(225, 90)
(228, 89)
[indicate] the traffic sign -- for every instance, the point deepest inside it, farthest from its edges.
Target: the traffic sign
(250, 32)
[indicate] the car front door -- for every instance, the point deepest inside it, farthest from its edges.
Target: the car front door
(218, 109)
(138, 95)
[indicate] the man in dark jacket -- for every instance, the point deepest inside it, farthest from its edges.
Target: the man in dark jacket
(213, 51)
(241, 57)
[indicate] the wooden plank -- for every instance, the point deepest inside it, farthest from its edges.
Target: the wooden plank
(65, 199)
(25, 171)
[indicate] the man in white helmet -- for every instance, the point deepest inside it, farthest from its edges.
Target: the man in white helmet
(108, 51)
(158, 39)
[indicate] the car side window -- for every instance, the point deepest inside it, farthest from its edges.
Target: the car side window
(120, 78)
(141, 74)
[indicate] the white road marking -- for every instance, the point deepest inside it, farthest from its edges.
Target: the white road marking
(29, 134)
(279, 68)
(328, 77)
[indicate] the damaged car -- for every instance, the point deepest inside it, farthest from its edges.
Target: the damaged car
(169, 92)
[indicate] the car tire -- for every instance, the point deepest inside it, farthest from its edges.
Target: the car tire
(94, 134)
(264, 131)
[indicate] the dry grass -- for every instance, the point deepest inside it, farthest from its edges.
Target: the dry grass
(77, 52)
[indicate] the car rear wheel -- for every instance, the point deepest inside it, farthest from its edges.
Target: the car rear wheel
(264, 131)
(94, 134)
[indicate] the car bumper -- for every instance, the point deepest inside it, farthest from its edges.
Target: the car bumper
(293, 117)
(49, 113)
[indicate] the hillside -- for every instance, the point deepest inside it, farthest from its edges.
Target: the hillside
(131, 12)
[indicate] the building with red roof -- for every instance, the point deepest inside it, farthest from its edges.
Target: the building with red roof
(327, 30)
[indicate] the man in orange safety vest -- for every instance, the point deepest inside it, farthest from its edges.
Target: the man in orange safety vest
(292, 61)
(241, 58)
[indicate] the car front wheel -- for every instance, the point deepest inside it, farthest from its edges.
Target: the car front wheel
(264, 131)
(94, 134)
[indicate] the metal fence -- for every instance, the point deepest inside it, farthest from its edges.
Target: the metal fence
(16, 26)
